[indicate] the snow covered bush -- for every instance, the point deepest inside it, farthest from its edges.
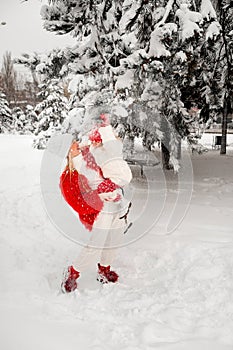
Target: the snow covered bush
(20, 121)
(51, 112)
(6, 120)
(32, 119)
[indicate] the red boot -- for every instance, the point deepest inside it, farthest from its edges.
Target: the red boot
(69, 283)
(105, 275)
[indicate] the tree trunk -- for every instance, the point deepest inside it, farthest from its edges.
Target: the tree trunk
(165, 157)
(178, 155)
(224, 129)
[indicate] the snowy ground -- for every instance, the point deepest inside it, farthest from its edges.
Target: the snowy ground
(175, 291)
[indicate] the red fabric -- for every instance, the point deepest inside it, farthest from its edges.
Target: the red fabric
(107, 186)
(69, 283)
(103, 269)
(118, 198)
(73, 273)
(90, 160)
(107, 274)
(79, 195)
(95, 136)
(105, 120)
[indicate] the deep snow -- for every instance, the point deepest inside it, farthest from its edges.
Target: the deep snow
(175, 291)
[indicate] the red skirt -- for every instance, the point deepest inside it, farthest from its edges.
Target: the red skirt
(79, 195)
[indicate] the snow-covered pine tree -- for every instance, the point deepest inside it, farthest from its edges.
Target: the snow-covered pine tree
(198, 84)
(20, 120)
(25, 122)
(52, 65)
(223, 73)
(6, 120)
(170, 37)
(198, 33)
(95, 58)
(139, 53)
(210, 65)
(50, 70)
(52, 112)
(32, 119)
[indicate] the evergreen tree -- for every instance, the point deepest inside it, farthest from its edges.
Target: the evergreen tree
(140, 56)
(6, 121)
(52, 111)
(20, 120)
(224, 65)
(25, 122)
(175, 44)
(32, 119)
(96, 56)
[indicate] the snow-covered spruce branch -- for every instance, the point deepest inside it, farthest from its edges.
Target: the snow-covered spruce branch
(166, 13)
(98, 49)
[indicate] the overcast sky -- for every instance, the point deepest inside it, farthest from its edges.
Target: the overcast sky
(24, 31)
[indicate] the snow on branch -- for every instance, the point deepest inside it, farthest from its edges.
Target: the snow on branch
(166, 13)
(128, 16)
(125, 81)
(207, 10)
(188, 21)
(213, 30)
(135, 58)
(157, 47)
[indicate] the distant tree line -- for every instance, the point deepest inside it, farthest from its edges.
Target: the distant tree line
(19, 91)
(34, 105)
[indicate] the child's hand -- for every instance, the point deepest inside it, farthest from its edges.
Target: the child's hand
(110, 196)
(74, 150)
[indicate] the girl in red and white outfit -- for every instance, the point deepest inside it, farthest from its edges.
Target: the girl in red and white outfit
(92, 184)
